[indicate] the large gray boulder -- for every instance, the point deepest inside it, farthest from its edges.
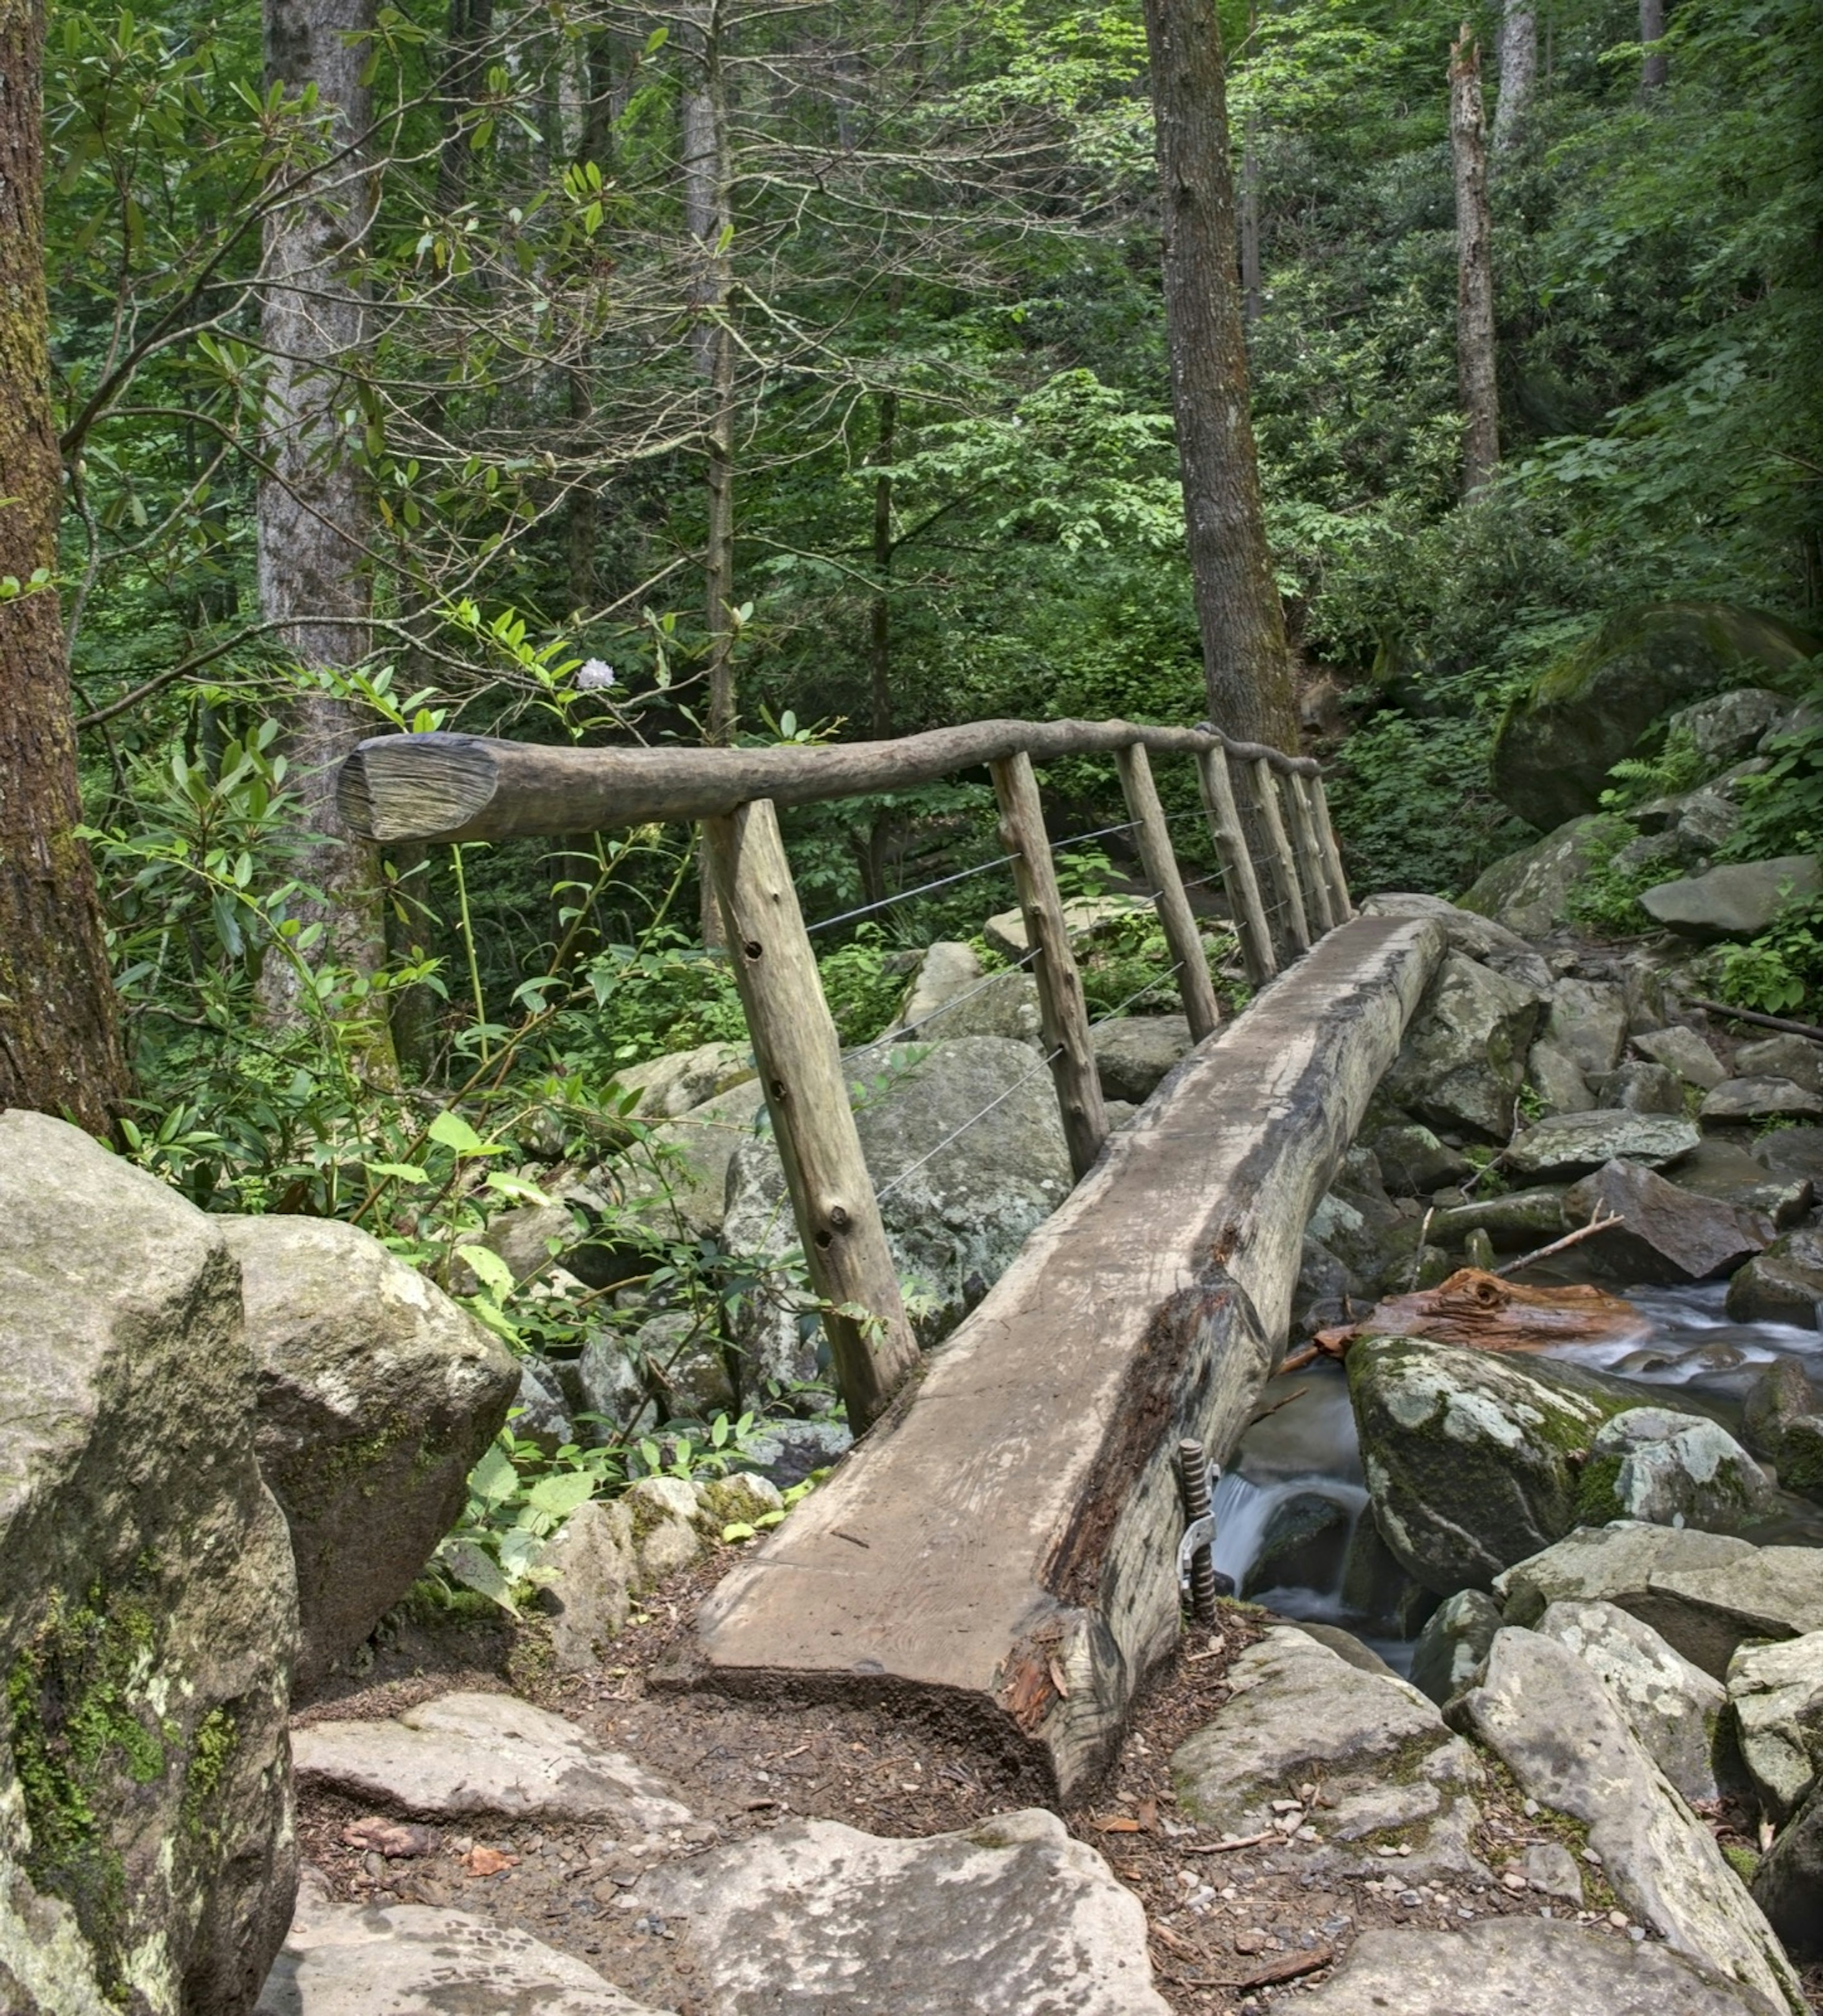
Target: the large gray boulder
(1750, 1101)
(1557, 1081)
(1557, 744)
(1587, 1019)
(676, 1182)
(1671, 1470)
(1474, 936)
(1569, 1145)
(1784, 1284)
(1135, 1053)
(1641, 1088)
(1010, 1918)
(1775, 1694)
(148, 1603)
(1665, 1234)
(1500, 1966)
(1463, 1058)
(664, 1087)
(1790, 1153)
(376, 1397)
(1529, 892)
(1795, 1058)
(1454, 1643)
(1684, 1052)
(1781, 1419)
(1736, 900)
(1545, 1713)
(1672, 1706)
(1389, 1768)
(956, 1210)
(1472, 1461)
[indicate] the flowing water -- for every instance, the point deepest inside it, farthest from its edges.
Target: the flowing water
(1302, 1462)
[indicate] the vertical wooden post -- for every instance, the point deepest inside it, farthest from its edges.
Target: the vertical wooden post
(1238, 877)
(1193, 986)
(1279, 863)
(1332, 853)
(800, 1058)
(1303, 830)
(1064, 1011)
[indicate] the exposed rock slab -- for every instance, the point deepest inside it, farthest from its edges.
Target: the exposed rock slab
(377, 1396)
(1671, 1470)
(1665, 1234)
(1085, 917)
(1463, 1058)
(1794, 1057)
(1776, 1694)
(1587, 1019)
(1670, 1705)
(148, 1606)
(476, 1753)
(407, 1959)
(1470, 1457)
(665, 1087)
(1453, 1643)
(1783, 1284)
(1790, 1152)
(1009, 1918)
(1558, 1082)
(1567, 1144)
(1554, 1724)
(1018, 1512)
(1135, 1053)
(1684, 1052)
(1474, 936)
(1737, 900)
(1529, 891)
(1749, 1100)
(1788, 1885)
(1389, 1768)
(1502, 1967)
(1776, 1593)
(1613, 1564)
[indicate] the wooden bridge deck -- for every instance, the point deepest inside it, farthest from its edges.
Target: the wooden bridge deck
(1002, 1546)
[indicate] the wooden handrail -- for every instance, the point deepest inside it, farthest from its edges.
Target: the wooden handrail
(444, 786)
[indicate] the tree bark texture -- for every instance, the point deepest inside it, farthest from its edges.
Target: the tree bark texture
(1475, 372)
(1518, 72)
(312, 517)
(1654, 66)
(60, 1036)
(1246, 663)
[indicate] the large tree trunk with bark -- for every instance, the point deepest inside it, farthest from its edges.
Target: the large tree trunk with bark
(312, 519)
(60, 1035)
(1518, 72)
(1474, 372)
(1246, 662)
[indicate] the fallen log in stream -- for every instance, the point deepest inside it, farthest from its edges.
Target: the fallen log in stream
(1001, 1549)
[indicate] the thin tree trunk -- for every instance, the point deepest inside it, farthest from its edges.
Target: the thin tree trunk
(1253, 297)
(1475, 372)
(1654, 66)
(312, 517)
(1518, 72)
(1246, 664)
(879, 615)
(60, 1031)
(708, 219)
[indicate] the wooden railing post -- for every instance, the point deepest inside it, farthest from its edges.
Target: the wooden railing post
(1279, 863)
(1303, 828)
(1160, 863)
(799, 1058)
(1064, 1012)
(1238, 877)
(1332, 853)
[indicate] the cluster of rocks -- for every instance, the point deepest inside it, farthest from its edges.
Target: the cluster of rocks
(227, 1446)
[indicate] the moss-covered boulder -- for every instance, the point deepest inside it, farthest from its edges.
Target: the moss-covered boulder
(1463, 1059)
(1557, 743)
(1473, 1462)
(1529, 891)
(148, 1612)
(377, 1396)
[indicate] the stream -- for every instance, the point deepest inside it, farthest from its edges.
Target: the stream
(1300, 1466)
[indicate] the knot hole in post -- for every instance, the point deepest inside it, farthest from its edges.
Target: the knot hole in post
(752, 948)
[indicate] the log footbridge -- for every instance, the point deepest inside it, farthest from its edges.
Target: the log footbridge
(1000, 1549)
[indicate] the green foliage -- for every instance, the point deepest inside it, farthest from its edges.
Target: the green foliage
(1605, 896)
(1780, 972)
(1677, 767)
(1782, 808)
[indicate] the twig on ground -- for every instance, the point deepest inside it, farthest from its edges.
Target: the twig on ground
(1228, 1847)
(1298, 1360)
(1596, 1224)
(1277, 1404)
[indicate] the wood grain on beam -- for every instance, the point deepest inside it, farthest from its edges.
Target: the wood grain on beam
(444, 786)
(1000, 1549)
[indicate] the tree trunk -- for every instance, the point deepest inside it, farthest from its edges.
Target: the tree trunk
(1245, 661)
(708, 219)
(60, 1031)
(1519, 71)
(312, 516)
(1654, 66)
(1252, 294)
(1475, 374)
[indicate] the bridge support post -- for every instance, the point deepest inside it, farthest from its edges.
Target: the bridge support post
(1332, 853)
(1194, 986)
(1310, 855)
(1279, 863)
(800, 1057)
(1238, 876)
(1061, 1005)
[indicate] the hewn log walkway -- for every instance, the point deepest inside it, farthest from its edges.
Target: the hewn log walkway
(1001, 1549)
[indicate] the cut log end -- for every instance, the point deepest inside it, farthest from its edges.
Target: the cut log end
(430, 787)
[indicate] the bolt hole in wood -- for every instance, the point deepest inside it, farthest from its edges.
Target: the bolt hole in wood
(753, 948)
